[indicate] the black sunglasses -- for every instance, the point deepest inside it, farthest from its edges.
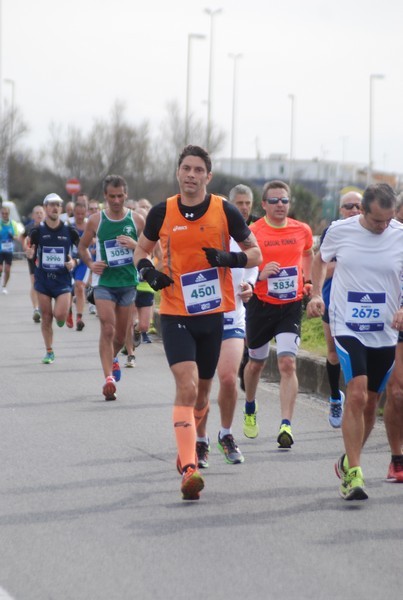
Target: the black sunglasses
(276, 200)
(350, 205)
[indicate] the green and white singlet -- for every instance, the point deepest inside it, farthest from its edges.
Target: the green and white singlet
(120, 271)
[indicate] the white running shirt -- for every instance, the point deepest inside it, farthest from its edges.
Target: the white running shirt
(236, 318)
(366, 286)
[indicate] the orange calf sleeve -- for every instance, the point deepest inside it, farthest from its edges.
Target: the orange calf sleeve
(185, 433)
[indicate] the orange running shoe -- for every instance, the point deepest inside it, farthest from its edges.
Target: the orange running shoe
(179, 464)
(69, 320)
(395, 472)
(109, 389)
(192, 483)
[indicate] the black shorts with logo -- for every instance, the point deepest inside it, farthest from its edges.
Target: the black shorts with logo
(264, 320)
(197, 339)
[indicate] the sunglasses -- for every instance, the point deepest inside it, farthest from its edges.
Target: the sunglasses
(351, 205)
(276, 200)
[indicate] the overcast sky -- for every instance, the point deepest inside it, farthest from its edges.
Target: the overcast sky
(72, 59)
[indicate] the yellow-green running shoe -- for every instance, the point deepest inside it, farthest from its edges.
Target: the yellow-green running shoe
(250, 426)
(48, 358)
(341, 466)
(352, 487)
(284, 438)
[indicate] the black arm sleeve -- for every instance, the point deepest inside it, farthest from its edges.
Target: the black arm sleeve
(238, 229)
(74, 235)
(154, 221)
(34, 236)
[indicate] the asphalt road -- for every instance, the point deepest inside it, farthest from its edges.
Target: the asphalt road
(90, 506)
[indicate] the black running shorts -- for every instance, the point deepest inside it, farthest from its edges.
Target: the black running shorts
(264, 321)
(196, 339)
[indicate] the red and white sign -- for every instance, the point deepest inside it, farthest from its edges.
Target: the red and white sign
(73, 186)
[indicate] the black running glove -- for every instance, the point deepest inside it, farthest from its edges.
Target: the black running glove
(156, 279)
(220, 258)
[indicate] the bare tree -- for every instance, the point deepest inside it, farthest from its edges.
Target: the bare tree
(171, 141)
(12, 130)
(111, 146)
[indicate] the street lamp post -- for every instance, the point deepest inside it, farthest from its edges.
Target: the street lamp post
(212, 13)
(291, 167)
(10, 145)
(12, 83)
(1, 64)
(3, 173)
(191, 36)
(235, 58)
(371, 124)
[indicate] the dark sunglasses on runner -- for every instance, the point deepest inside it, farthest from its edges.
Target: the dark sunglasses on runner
(351, 205)
(276, 200)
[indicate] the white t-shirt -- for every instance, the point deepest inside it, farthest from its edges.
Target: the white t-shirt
(366, 286)
(235, 319)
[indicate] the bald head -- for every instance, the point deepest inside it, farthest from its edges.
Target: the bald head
(350, 204)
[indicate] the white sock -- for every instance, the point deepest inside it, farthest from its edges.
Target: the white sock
(224, 431)
(202, 439)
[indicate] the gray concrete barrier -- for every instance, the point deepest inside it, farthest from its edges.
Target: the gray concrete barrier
(311, 369)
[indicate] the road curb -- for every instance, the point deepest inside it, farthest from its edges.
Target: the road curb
(311, 369)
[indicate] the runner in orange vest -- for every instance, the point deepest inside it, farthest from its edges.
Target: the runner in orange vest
(194, 229)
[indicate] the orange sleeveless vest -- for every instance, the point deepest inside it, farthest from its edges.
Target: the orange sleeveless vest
(198, 288)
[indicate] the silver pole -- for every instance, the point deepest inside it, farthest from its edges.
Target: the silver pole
(212, 14)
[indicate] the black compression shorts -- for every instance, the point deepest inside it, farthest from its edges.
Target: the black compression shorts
(357, 359)
(196, 339)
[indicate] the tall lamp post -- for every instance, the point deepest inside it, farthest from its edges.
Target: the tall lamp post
(371, 123)
(191, 36)
(235, 58)
(291, 167)
(212, 13)
(12, 83)
(3, 173)
(10, 147)
(1, 64)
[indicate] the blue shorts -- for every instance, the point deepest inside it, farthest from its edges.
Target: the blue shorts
(121, 296)
(80, 271)
(51, 284)
(237, 332)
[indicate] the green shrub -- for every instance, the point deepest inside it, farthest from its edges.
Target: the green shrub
(312, 336)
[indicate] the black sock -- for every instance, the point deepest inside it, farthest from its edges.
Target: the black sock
(333, 375)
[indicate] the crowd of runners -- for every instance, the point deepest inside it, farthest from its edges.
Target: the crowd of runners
(230, 284)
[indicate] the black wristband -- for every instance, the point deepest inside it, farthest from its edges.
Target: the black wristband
(307, 281)
(144, 263)
(239, 259)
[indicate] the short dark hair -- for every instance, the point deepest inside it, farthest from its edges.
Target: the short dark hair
(114, 181)
(274, 185)
(196, 151)
(381, 193)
